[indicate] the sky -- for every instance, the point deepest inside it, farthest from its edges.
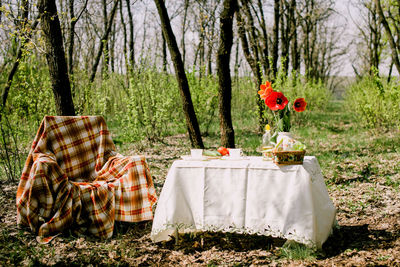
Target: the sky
(348, 14)
(351, 16)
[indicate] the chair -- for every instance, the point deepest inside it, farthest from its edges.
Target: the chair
(74, 179)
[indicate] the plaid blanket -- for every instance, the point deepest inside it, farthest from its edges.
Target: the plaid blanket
(73, 179)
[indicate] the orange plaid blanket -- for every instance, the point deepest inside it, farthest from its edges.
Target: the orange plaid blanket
(74, 179)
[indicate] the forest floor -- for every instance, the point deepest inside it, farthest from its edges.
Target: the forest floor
(362, 174)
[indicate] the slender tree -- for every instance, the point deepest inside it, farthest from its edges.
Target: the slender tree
(184, 26)
(106, 50)
(265, 53)
(131, 34)
(252, 60)
(275, 44)
(294, 41)
(187, 104)
(56, 57)
(71, 35)
(392, 43)
(103, 41)
(23, 28)
(224, 74)
(285, 32)
(125, 38)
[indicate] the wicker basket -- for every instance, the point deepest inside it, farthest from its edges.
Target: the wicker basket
(288, 157)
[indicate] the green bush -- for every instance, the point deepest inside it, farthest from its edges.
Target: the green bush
(151, 109)
(375, 103)
(204, 93)
(316, 94)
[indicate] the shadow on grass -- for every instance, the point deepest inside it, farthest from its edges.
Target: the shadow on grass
(345, 238)
(358, 237)
(203, 241)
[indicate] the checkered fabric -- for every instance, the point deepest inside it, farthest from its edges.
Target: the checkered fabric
(73, 179)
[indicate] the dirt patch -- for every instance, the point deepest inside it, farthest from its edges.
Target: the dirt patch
(368, 215)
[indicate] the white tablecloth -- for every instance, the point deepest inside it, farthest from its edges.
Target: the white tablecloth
(245, 196)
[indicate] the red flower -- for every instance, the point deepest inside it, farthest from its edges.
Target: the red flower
(299, 104)
(265, 90)
(276, 100)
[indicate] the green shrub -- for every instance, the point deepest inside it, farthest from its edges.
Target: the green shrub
(204, 93)
(316, 94)
(151, 110)
(375, 103)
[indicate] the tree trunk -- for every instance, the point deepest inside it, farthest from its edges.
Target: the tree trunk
(224, 74)
(131, 36)
(111, 51)
(265, 52)
(164, 53)
(71, 38)
(285, 36)
(183, 46)
(275, 44)
(392, 43)
(103, 40)
(188, 109)
(125, 38)
(211, 44)
(252, 33)
(106, 52)
(294, 48)
(56, 58)
(237, 62)
(253, 65)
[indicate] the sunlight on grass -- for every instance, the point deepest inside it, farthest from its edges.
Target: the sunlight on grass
(296, 251)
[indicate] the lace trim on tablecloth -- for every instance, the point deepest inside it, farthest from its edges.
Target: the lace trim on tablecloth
(266, 231)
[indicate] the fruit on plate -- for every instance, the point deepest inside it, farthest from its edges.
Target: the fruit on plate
(223, 151)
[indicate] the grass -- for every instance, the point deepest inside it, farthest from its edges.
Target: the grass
(295, 251)
(361, 170)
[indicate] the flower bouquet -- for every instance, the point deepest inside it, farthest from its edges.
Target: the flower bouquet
(287, 150)
(278, 103)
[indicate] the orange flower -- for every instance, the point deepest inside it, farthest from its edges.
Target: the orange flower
(265, 90)
(299, 104)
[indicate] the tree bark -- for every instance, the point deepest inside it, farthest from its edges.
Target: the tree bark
(71, 38)
(392, 43)
(183, 46)
(265, 52)
(164, 53)
(131, 36)
(56, 57)
(285, 40)
(103, 41)
(210, 41)
(187, 104)
(253, 38)
(106, 52)
(253, 65)
(224, 74)
(294, 48)
(125, 38)
(275, 43)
